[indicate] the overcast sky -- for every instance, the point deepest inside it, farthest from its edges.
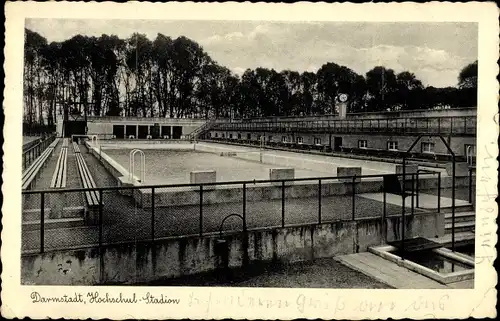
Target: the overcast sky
(435, 52)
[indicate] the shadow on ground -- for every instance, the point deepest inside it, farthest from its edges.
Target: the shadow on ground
(320, 273)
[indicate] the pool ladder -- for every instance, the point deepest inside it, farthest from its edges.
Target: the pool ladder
(131, 168)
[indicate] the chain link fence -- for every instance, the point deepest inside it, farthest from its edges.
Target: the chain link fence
(56, 219)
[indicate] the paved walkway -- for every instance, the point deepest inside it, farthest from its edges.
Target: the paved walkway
(320, 273)
(426, 201)
(394, 275)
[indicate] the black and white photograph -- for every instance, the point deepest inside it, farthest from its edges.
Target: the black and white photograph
(254, 154)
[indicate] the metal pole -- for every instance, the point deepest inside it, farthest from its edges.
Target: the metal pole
(152, 213)
(42, 221)
(384, 215)
(283, 204)
(417, 192)
(403, 209)
(319, 201)
(244, 207)
(201, 210)
(354, 197)
(470, 185)
(100, 218)
(439, 192)
(412, 193)
(453, 207)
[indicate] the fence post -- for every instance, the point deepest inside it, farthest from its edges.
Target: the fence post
(412, 193)
(439, 192)
(417, 192)
(470, 185)
(201, 210)
(100, 218)
(244, 207)
(384, 212)
(152, 213)
(42, 221)
(319, 201)
(283, 204)
(384, 216)
(354, 197)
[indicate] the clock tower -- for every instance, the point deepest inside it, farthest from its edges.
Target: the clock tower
(342, 105)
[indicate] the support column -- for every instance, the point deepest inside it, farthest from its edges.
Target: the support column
(136, 131)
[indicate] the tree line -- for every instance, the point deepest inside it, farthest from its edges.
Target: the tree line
(176, 78)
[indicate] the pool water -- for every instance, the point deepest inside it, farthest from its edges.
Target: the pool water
(165, 166)
(469, 249)
(434, 261)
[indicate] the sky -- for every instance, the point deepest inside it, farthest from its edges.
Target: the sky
(434, 52)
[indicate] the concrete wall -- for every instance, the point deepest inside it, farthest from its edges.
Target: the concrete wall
(59, 125)
(374, 141)
(174, 257)
(457, 143)
(273, 137)
(165, 197)
(104, 125)
(114, 168)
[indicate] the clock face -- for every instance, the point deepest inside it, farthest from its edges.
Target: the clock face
(343, 97)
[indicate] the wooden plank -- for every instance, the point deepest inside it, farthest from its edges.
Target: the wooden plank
(90, 184)
(55, 176)
(76, 148)
(35, 163)
(65, 170)
(33, 170)
(87, 181)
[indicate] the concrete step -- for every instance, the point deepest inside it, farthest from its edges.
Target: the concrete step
(387, 272)
(460, 217)
(460, 227)
(54, 223)
(462, 208)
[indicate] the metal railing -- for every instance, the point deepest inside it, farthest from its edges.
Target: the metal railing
(471, 155)
(417, 187)
(31, 153)
(37, 129)
(472, 171)
(149, 212)
(146, 119)
(460, 125)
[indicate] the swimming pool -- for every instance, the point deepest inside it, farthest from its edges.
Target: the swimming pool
(172, 163)
(164, 166)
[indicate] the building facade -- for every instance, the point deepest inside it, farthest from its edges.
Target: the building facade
(387, 131)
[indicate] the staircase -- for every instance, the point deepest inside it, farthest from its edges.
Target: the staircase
(201, 130)
(464, 222)
(465, 219)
